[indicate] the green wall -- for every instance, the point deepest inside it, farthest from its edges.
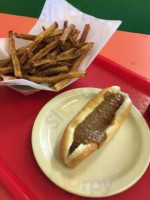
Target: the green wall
(135, 14)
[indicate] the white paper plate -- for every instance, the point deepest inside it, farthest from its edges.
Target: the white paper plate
(110, 170)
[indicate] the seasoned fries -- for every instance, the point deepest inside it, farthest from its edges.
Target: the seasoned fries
(15, 61)
(4, 62)
(25, 36)
(56, 78)
(85, 33)
(66, 33)
(42, 36)
(53, 70)
(52, 57)
(65, 24)
(75, 34)
(58, 86)
(43, 52)
(44, 62)
(6, 70)
(24, 57)
(21, 50)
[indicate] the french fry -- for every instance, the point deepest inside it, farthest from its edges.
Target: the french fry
(25, 36)
(44, 62)
(66, 46)
(54, 34)
(65, 24)
(43, 52)
(52, 54)
(26, 68)
(36, 70)
(85, 33)
(33, 71)
(21, 50)
(10, 69)
(48, 40)
(58, 86)
(66, 33)
(42, 36)
(24, 57)
(56, 38)
(57, 32)
(79, 44)
(15, 61)
(71, 40)
(47, 61)
(64, 63)
(39, 47)
(54, 79)
(6, 70)
(5, 62)
(68, 57)
(83, 49)
(78, 62)
(66, 53)
(75, 34)
(54, 70)
(76, 54)
(30, 55)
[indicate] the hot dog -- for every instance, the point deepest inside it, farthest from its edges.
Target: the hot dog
(93, 126)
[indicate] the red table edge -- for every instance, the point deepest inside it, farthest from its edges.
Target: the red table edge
(141, 81)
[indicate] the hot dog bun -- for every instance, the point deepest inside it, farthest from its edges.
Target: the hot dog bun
(84, 150)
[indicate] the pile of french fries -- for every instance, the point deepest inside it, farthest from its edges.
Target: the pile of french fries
(53, 56)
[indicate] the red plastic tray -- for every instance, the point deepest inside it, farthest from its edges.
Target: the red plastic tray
(19, 171)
